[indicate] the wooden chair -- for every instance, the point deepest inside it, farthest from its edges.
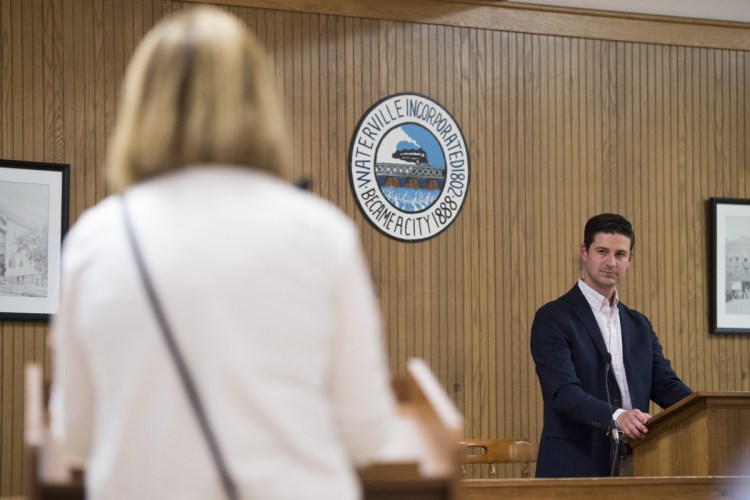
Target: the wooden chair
(499, 451)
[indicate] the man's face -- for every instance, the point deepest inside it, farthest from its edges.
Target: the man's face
(605, 262)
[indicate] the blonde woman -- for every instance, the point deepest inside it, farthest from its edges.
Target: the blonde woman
(264, 286)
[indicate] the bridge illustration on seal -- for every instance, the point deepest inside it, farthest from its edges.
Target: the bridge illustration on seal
(432, 178)
(416, 171)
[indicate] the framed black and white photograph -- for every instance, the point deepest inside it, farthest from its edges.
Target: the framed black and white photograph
(730, 249)
(33, 220)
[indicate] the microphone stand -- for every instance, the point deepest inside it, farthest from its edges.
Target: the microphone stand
(612, 431)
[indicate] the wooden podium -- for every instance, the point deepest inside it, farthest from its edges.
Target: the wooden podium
(698, 448)
(420, 461)
(705, 434)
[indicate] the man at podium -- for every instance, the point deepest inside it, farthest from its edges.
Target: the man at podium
(598, 362)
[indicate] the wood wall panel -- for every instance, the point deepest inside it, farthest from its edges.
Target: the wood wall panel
(558, 128)
(61, 64)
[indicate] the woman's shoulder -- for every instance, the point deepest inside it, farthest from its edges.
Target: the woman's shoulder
(92, 234)
(96, 219)
(305, 206)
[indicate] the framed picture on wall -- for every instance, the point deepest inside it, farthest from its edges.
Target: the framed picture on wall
(730, 271)
(34, 202)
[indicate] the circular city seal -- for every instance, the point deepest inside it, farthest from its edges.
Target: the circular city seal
(409, 167)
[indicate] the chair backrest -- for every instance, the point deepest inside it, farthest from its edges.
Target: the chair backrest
(499, 451)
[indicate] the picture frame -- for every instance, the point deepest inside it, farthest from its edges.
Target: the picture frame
(730, 265)
(34, 212)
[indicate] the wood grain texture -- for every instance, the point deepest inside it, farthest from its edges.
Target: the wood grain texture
(667, 488)
(558, 128)
(703, 435)
(525, 18)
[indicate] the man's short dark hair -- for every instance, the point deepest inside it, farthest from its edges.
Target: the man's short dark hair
(609, 224)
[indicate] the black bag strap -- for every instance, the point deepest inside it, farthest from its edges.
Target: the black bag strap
(187, 381)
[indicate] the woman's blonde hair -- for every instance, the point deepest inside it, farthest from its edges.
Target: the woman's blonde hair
(196, 92)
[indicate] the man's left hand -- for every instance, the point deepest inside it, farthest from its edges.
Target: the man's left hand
(633, 423)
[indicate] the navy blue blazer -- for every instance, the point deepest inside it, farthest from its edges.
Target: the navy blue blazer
(570, 356)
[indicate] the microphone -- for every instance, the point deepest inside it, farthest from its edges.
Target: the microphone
(303, 183)
(615, 452)
(612, 423)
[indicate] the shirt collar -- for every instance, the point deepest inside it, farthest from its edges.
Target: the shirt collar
(596, 300)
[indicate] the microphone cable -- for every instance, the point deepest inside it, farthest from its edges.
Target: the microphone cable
(613, 424)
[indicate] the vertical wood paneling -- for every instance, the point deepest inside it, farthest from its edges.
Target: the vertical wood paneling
(62, 63)
(22, 113)
(6, 405)
(558, 128)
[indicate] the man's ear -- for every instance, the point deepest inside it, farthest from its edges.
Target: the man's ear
(585, 253)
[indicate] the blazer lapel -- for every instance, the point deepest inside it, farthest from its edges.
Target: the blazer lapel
(628, 335)
(584, 313)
